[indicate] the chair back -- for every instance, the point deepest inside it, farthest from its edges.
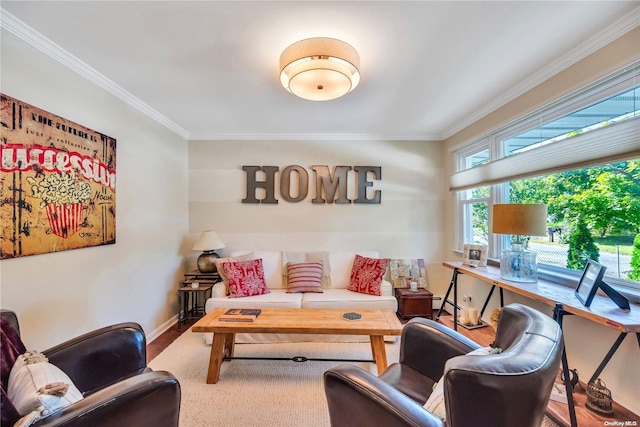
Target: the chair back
(511, 388)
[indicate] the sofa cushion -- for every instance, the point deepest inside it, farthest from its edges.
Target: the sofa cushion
(344, 298)
(304, 277)
(367, 274)
(277, 298)
(245, 278)
(219, 261)
(297, 257)
(219, 290)
(272, 267)
(341, 265)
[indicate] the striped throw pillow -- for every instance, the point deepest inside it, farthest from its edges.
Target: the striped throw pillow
(304, 277)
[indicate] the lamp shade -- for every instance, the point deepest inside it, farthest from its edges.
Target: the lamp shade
(320, 69)
(208, 241)
(520, 219)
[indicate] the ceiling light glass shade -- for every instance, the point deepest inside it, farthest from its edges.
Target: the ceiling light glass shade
(320, 69)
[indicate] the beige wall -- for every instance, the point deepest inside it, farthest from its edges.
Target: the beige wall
(63, 294)
(587, 342)
(407, 223)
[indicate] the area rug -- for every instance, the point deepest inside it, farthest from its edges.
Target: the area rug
(263, 393)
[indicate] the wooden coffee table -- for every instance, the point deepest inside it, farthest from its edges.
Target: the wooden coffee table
(375, 323)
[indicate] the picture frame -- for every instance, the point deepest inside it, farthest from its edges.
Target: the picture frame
(59, 183)
(589, 282)
(403, 271)
(474, 255)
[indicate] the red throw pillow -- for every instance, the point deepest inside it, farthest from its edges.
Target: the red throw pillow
(245, 278)
(367, 274)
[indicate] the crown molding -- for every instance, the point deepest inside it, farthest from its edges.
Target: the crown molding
(311, 137)
(597, 41)
(43, 44)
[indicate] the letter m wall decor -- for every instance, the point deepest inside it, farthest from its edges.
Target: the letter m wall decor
(57, 183)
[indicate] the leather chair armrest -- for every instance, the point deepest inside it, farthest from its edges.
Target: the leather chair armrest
(426, 346)
(149, 399)
(358, 399)
(102, 357)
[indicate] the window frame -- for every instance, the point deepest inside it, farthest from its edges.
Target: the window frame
(494, 141)
(462, 201)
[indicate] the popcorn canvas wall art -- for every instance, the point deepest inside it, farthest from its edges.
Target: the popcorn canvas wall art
(57, 183)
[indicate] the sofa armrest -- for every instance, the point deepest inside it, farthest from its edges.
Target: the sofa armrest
(149, 399)
(386, 288)
(358, 399)
(102, 357)
(426, 346)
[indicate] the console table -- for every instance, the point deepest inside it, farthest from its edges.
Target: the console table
(564, 302)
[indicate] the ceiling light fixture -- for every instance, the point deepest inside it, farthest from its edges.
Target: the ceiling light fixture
(320, 69)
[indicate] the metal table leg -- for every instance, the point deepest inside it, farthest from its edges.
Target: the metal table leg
(452, 285)
(558, 313)
(486, 301)
(606, 359)
(183, 308)
(181, 313)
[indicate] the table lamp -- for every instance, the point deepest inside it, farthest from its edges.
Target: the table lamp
(519, 264)
(208, 242)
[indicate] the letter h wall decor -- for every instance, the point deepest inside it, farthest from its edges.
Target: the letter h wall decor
(57, 183)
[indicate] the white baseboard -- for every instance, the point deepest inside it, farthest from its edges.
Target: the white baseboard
(162, 329)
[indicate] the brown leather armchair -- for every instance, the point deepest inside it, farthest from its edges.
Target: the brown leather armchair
(497, 390)
(109, 367)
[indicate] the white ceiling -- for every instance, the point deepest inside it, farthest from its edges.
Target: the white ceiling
(209, 69)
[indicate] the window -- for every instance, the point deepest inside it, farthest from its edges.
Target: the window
(581, 157)
(604, 113)
(476, 213)
(475, 202)
(593, 213)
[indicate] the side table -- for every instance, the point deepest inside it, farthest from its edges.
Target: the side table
(188, 301)
(414, 304)
(197, 275)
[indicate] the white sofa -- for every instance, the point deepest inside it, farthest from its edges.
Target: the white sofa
(336, 296)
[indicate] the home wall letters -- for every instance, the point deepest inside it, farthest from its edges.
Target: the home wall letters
(329, 188)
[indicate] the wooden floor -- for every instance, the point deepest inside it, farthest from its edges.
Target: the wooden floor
(483, 336)
(163, 341)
